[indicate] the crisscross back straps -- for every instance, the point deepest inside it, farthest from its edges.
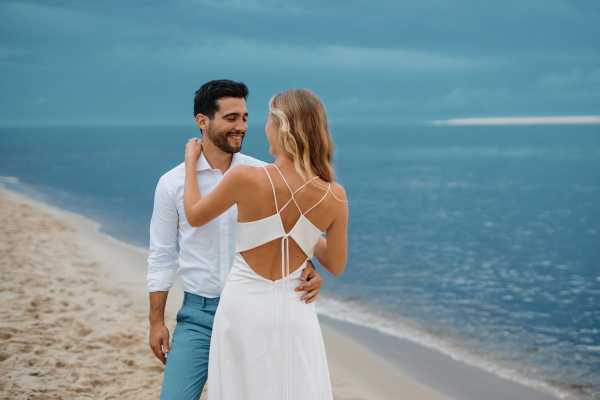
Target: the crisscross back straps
(320, 200)
(293, 192)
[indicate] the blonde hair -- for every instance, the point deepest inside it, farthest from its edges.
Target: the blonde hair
(302, 132)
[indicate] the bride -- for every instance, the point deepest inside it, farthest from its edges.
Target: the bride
(266, 343)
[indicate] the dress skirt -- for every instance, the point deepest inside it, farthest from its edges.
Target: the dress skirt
(266, 343)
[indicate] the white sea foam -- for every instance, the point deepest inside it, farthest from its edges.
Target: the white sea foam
(595, 349)
(9, 180)
(357, 314)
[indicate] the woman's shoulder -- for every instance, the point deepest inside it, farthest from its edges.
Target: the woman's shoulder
(338, 192)
(247, 173)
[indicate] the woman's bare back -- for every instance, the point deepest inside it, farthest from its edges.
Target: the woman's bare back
(258, 203)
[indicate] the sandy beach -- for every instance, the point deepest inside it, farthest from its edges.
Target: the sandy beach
(74, 317)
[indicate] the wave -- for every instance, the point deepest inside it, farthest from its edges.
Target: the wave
(9, 180)
(354, 313)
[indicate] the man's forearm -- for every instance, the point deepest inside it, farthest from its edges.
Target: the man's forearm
(158, 301)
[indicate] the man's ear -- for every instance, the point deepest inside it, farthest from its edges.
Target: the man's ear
(202, 122)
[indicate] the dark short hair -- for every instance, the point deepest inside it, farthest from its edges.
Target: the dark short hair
(205, 98)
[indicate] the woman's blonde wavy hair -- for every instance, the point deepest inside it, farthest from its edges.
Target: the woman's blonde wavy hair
(303, 133)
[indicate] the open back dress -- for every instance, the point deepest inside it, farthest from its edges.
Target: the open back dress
(266, 343)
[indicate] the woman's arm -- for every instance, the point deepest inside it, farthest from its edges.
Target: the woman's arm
(332, 250)
(199, 210)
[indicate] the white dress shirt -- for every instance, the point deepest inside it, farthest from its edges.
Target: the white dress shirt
(201, 256)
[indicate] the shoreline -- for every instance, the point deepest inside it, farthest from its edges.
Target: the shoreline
(364, 363)
(453, 377)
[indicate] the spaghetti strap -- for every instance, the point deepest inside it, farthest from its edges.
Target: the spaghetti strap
(293, 192)
(296, 191)
(272, 187)
(290, 189)
(322, 198)
(305, 184)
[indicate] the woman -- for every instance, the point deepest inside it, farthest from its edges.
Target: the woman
(266, 343)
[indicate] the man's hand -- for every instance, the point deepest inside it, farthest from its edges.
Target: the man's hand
(310, 282)
(159, 341)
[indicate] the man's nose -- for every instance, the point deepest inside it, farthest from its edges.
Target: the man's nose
(241, 126)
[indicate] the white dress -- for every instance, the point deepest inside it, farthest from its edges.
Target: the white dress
(266, 343)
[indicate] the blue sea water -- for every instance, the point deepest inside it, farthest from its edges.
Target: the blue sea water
(481, 242)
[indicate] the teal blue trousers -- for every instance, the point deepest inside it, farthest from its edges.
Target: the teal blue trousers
(186, 368)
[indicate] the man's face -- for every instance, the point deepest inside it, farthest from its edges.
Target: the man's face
(229, 125)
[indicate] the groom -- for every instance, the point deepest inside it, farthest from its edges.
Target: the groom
(200, 256)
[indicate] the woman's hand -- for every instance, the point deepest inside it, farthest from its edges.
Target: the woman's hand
(193, 149)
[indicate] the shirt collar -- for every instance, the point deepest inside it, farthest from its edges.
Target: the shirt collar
(203, 164)
(235, 160)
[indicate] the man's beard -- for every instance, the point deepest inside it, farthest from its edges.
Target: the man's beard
(221, 140)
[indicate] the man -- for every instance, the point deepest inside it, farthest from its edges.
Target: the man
(201, 256)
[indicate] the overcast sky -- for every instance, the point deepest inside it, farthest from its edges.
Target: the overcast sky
(385, 61)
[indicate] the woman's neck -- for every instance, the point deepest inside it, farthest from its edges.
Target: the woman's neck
(284, 163)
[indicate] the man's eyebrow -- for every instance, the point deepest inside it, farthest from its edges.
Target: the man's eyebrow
(234, 114)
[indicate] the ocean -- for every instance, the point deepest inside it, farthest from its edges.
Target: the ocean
(480, 242)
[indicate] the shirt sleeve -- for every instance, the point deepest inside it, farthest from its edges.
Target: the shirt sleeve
(255, 162)
(163, 255)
